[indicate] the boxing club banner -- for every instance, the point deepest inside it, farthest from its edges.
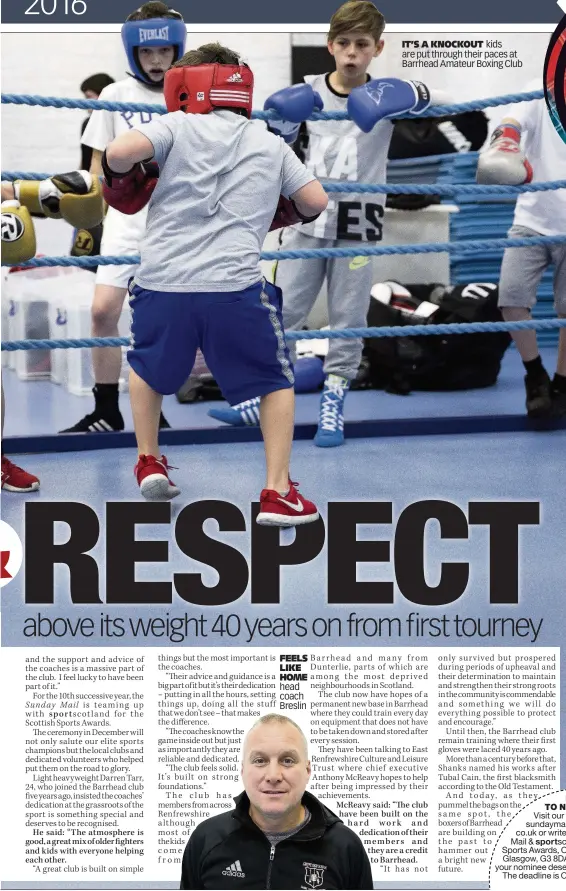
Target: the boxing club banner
(294, 12)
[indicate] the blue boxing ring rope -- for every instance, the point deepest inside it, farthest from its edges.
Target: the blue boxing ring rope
(389, 427)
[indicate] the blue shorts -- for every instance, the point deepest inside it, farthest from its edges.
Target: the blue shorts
(239, 332)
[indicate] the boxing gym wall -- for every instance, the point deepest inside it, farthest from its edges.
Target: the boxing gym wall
(50, 139)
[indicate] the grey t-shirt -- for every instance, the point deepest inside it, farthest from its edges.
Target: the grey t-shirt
(219, 183)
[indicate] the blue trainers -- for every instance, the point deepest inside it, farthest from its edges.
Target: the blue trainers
(330, 431)
(245, 414)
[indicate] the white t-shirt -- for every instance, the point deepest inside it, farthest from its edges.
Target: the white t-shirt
(104, 126)
(340, 151)
(545, 212)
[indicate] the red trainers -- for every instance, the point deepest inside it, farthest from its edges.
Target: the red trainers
(285, 510)
(152, 475)
(14, 479)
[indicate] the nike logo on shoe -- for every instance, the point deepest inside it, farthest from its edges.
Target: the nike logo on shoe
(285, 510)
(299, 507)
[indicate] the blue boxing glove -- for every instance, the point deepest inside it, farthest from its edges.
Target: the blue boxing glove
(293, 104)
(384, 98)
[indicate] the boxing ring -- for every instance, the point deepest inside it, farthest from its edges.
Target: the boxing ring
(368, 413)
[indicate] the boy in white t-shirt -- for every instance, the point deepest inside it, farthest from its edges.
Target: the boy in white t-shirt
(350, 151)
(525, 147)
(154, 39)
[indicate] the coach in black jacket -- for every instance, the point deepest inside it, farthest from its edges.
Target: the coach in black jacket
(278, 836)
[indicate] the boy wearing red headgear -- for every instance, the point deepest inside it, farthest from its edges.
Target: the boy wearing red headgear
(214, 181)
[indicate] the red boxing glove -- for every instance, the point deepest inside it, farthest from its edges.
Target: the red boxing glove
(287, 214)
(129, 192)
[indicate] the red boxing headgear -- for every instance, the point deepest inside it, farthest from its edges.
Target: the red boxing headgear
(197, 89)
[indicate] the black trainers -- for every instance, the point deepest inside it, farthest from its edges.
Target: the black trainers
(539, 396)
(106, 422)
(96, 422)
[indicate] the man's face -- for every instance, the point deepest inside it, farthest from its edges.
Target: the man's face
(156, 60)
(353, 52)
(275, 772)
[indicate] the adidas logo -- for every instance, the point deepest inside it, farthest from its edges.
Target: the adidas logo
(234, 870)
(235, 78)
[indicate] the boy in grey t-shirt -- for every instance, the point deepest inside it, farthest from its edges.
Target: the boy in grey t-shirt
(216, 182)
